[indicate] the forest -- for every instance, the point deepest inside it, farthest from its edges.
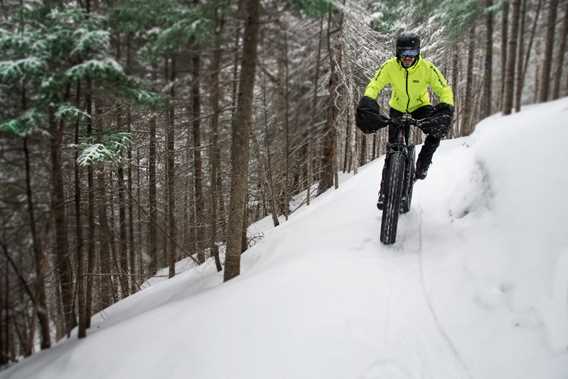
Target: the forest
(135, 133)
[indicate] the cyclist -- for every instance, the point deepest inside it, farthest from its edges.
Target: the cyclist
(409, 76)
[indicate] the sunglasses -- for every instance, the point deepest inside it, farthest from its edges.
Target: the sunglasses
(409, 53)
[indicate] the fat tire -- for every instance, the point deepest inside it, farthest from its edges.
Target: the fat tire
(408, 179)
(395, 181)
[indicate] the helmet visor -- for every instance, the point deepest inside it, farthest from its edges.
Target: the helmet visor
(409, 53)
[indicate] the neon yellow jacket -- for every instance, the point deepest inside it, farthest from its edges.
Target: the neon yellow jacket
(410, 86)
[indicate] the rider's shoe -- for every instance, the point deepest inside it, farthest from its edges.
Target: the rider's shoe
(421, 171)
(404, 208)
(381, 201)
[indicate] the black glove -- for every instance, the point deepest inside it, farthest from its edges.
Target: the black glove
(368, 117)
(444, 108)
(439, 122)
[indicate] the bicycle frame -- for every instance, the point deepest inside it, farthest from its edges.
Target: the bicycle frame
(400, 178)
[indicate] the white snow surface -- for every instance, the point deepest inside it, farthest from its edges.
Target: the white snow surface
(476, 285)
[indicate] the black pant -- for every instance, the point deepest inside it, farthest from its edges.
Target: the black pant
(430, 144)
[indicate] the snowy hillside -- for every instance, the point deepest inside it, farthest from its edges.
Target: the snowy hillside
(475, 287)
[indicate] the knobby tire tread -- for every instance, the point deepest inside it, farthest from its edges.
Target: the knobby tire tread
(409, 178)
(391, 210)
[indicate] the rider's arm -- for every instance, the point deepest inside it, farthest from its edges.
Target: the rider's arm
(368, 116)
(440, 86)
(379, 81)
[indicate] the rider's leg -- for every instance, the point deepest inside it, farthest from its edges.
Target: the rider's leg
(430, 144)
(425, 157)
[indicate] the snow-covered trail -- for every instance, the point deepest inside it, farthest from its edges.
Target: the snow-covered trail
(474, 287)
(382, 289)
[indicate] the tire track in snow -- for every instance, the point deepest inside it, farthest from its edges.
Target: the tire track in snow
(427, 297)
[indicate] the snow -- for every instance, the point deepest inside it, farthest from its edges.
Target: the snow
(476, 285)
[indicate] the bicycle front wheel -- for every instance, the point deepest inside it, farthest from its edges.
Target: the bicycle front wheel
(395, 182)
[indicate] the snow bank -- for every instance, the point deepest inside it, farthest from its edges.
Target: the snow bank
(475, 287)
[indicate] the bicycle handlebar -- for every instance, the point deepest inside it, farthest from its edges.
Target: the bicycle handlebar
(406, 119)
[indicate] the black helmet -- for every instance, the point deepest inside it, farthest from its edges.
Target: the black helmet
(408, 42)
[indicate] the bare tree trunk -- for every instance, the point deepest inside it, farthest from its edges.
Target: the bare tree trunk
(283, 68)
(4, 345)
(531, 40)
(309, 142)
(240, 141)
(511, 57)
(455, 72)
(132, 249)
(363, 151)
(214, 156)
(40, 262)
(504, 44)
(347, 150)
(244, 239)
(139, 261)
(267, 162)
(123, 243)
(561, 53)
(152, 232)
(537, 71)
(197, 163)
(548, 51)
(90, 213)
(520, 56)
(64, 269)
(488, 79)
(329, 157)
(80, 290)
(170, 169)
(113, 232)
(105, 250)
(468, 104)
(188, 206)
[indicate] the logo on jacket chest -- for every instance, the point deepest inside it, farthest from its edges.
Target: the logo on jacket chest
(415, 81)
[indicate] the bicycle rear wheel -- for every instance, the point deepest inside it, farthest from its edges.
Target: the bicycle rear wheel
(408, 180)
(395, 181)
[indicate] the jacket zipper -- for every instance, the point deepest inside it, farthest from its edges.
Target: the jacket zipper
(407, 94)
